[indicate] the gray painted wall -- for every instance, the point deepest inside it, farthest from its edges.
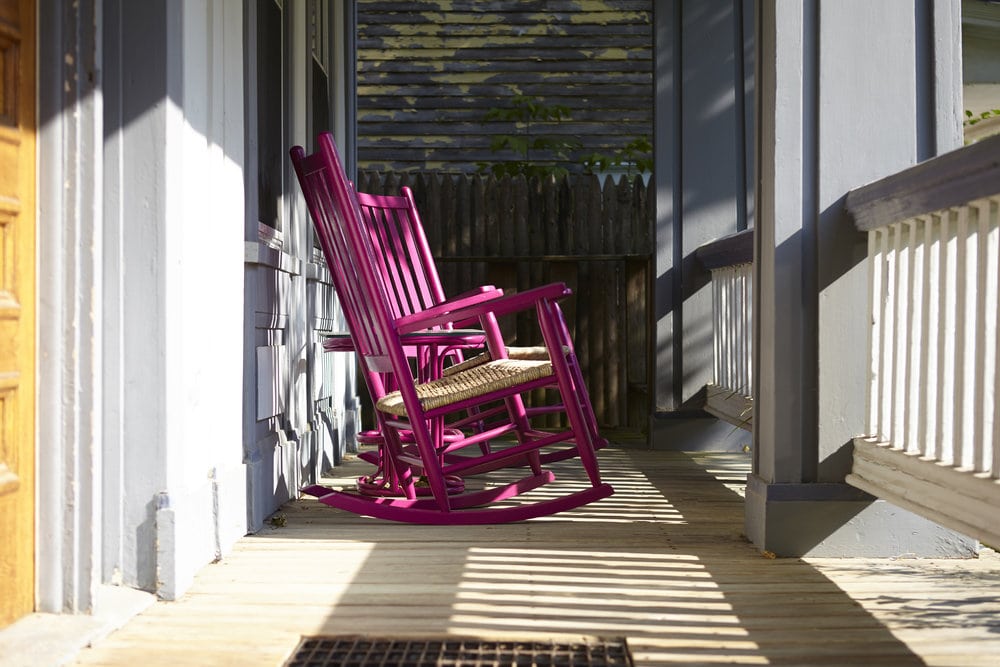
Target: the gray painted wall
(135, 124)
(981, 56)
(831, 114)
(980, 41)
(141, 237)
(834, 114)
(703, 133)
(300, 407)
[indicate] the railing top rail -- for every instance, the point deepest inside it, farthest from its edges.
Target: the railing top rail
(952, 179)
(728, 251)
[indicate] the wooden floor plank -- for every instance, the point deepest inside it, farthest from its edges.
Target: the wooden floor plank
(663, 563)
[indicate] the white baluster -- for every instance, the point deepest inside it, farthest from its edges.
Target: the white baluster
(945, 449)
(876, 261)
(748, 275)
(901, 318)
(993, 301)
(887, 316)
(986, 307)
(965, 367)
(716, 328)
(914, 362)
(930, 289)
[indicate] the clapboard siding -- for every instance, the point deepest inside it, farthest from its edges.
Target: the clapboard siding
(429, 71)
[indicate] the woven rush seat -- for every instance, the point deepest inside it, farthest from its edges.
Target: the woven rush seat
(475, 381)
(531, 353)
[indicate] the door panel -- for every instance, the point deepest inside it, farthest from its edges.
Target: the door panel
(17, 300)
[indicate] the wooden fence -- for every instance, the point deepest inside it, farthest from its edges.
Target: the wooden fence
(594, 236)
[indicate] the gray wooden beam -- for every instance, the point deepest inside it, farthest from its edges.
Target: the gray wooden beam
(728, 251)
(951, 179)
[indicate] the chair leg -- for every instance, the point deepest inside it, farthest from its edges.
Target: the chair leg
(557, 338)
(428, 447)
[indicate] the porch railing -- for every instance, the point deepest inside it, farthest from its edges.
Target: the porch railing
(933, 441)
(729, 395)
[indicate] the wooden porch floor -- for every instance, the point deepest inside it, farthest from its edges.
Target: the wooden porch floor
(662, 563)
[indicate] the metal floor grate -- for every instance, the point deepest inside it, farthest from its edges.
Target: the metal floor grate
(454, 652)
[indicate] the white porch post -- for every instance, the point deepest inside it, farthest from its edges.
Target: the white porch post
(70, 255)
(848, 91)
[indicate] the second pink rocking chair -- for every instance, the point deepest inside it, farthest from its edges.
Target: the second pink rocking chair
(404, 260)
(417, 410)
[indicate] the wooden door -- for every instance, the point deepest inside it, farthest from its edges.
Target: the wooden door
(17, 308)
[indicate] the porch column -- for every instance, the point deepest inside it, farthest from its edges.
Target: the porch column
(70, 311)
(848, 91)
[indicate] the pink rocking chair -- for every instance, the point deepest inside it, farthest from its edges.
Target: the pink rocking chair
(412, 417)
(407, 265)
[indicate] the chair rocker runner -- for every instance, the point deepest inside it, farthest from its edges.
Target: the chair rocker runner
(412, 416)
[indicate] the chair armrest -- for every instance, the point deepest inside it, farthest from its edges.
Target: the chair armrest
(432, 347)
(470, 298)
(482, 289)
(456, 338)
(500, 305)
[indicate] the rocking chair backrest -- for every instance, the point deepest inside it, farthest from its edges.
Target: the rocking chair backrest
(403, 252)
(349, 253)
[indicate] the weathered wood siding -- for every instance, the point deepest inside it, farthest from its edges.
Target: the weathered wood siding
(429, 70)
(516, 234)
